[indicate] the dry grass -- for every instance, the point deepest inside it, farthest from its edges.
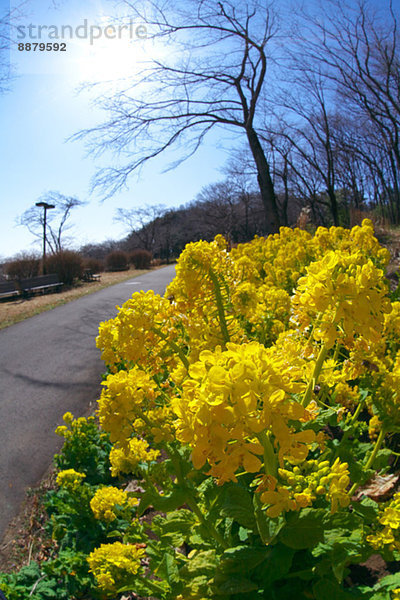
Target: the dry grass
(26, 537)
(13, 311)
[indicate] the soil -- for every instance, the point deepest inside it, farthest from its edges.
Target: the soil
(370, 572)
(26, 538)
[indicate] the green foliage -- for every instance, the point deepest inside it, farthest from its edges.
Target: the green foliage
(62, 578)
(86, 449)
(33, 583)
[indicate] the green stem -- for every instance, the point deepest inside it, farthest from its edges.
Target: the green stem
(270, 464)
(357, 412)
(371, 459)
(152, 585)
(376, 449)
(347, 433)
(191, 500)
(173, 346)
(336, 353)
(317, 371)
(220, 306)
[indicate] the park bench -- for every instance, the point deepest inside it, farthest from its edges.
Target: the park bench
(88, 275)
(41, 283)
(9, 289)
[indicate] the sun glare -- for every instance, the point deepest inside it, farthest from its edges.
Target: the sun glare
(109, 60)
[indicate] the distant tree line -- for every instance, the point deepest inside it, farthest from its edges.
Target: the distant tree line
(164, 232)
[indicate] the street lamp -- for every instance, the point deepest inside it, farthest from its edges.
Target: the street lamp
(46, 207)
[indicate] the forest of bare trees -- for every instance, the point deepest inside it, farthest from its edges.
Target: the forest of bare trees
(312, 103)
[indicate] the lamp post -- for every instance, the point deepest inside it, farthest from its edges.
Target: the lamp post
(46, 207)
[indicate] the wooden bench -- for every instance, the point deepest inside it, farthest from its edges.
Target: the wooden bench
(9, 289)
(88, 275)
(41, 283)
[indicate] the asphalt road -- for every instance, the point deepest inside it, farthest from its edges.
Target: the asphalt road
(49, 364)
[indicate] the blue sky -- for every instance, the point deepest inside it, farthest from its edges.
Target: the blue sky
(43, 108)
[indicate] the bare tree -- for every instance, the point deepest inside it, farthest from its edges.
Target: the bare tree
(242, 177)
(219, 78)
(218, 202)
(9, 18)
(356, 50)
(142, 224)
(57, 220)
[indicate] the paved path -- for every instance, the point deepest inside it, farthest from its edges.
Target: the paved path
(49, 364)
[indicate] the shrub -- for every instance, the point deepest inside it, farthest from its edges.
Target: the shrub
(140, 258)
(67, 264)
(23, 266)
(117, 261)
(94, 264)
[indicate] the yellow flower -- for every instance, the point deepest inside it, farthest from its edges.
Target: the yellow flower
(110, 502)
(126, 461)
(279, 501)
(126, 397)
(112, 563)
(61, 430)
(70, 479)
(68, 418)
(229, 398)
(391, 517)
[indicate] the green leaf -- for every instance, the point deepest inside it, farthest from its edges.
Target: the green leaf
(237, 503)
(203, 562)
(389, 582)
(367, 508)
(278, 564)
(303, 530)
(327, 589)
(244, 534)
(163, 503)
(235, 585)
(168, 569)
(242, 558)
(267, 528)
(177, 526)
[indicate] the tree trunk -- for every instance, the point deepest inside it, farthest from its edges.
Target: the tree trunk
(265, 183)
(285, 202)
(333, 206)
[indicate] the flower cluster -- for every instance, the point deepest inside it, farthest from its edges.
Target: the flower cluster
(126, 397)
(109, 502)
(344, 295)
(255, 371)
(126, 461)
(70, 479)
(113, 563)
(230, 399)
(139, 334)
(303, 485)
(389, 535)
